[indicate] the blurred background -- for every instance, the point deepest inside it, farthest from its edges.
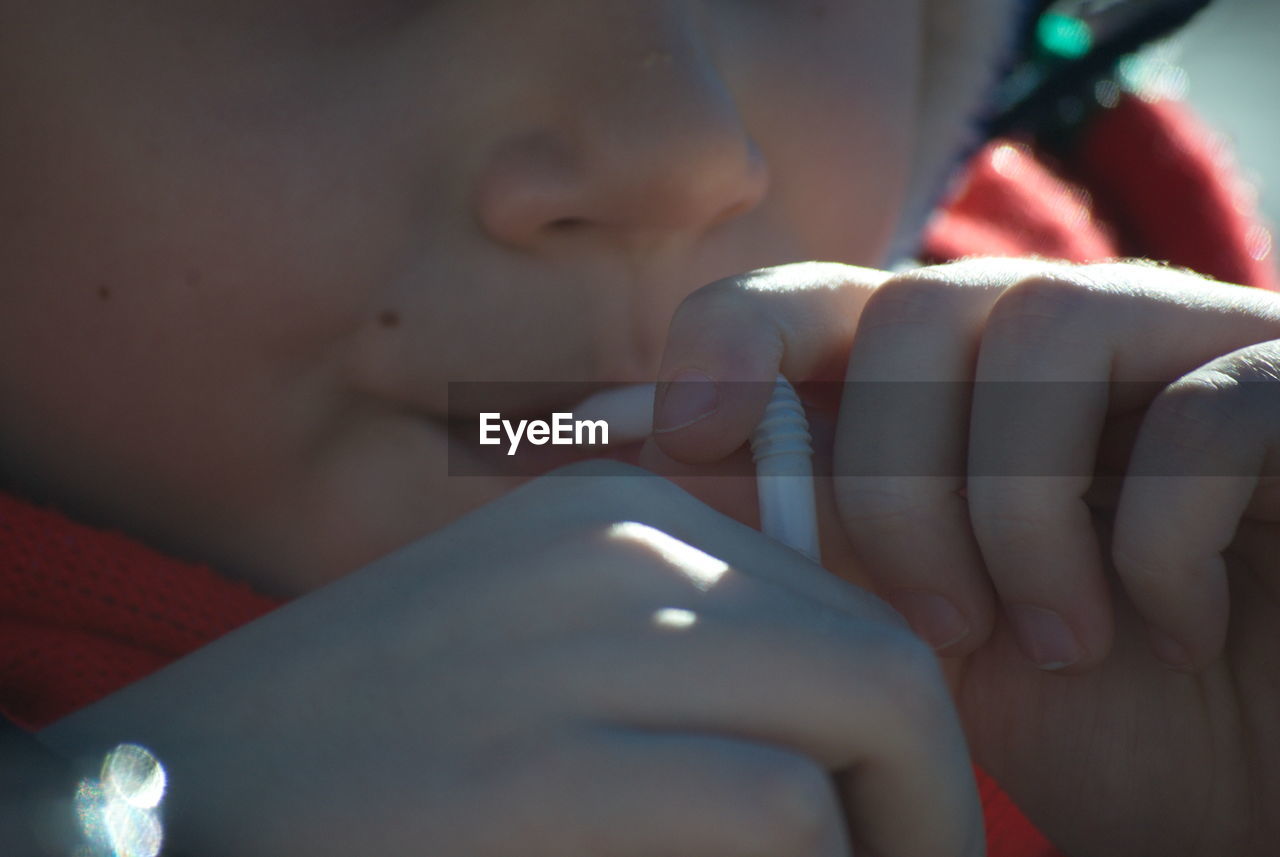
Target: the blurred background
(1232, 57)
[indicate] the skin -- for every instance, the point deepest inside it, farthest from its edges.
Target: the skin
(510, 685)
(1155, 735)
(252, 242)
(248, 245)
(291, 228)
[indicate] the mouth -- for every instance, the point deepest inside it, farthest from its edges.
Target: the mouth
(528, 429)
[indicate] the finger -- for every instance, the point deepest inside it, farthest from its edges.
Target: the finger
(729, 341)
(1196, 466)
(900, 448)
(854, 696)
(684, 795)
(1170, 333)
(1073, 344)
(1039, 408)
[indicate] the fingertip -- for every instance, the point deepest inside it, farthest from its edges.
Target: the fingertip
(936, 619)
(1170, 651)
(1185, 604)
(699, 418)
(1056, 643)
(686, 399)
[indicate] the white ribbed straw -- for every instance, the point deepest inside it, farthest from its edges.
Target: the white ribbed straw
(782, 450)
(780, 445)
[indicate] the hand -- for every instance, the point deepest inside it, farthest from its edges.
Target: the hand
(1149, 373)
(562, 673)
(35, 818)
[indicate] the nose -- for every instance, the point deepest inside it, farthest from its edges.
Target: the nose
(642, 141)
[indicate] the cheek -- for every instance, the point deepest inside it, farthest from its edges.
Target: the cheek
(208, 188)
(141, 301)
(167, 195)
(835, 102)
(177, 271)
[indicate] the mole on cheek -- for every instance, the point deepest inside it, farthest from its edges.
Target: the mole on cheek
(104, 293)
(389, 318)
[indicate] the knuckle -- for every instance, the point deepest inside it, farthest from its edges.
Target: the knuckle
(1238, 395)
(1259, 364)
(645, 558)
(1013, 513)
(1009, 531)
(899, 673)
(587, 562)
(1042, 303)
(527, 779)
(546, 790)
(887, 500)
(614, 543)
(911, 299)
(787, 807)
(1193, 414)
(642, 541)
(715, 303)
(1136, 562)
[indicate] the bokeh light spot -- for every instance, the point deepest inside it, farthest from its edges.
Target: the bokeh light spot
(119, 813)
(1260, 243)
(135, 775)
(1064, 36)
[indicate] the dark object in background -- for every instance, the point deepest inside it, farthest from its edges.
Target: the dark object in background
(1067, 47)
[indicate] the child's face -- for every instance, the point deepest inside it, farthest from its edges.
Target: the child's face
(246, 243)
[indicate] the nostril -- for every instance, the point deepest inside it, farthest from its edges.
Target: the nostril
(733, 212)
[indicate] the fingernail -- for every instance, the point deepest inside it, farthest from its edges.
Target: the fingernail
(1169, 650)
(689, 397)
(933, 617)
(1045, 638)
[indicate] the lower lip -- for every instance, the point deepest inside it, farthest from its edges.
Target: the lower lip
(467, 457)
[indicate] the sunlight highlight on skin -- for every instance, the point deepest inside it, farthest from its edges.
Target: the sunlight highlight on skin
(703, 570)
(675, 619)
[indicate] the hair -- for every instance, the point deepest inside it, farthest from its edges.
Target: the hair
(967, 48)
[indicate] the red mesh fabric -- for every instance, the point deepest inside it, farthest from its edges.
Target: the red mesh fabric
(84, 612)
